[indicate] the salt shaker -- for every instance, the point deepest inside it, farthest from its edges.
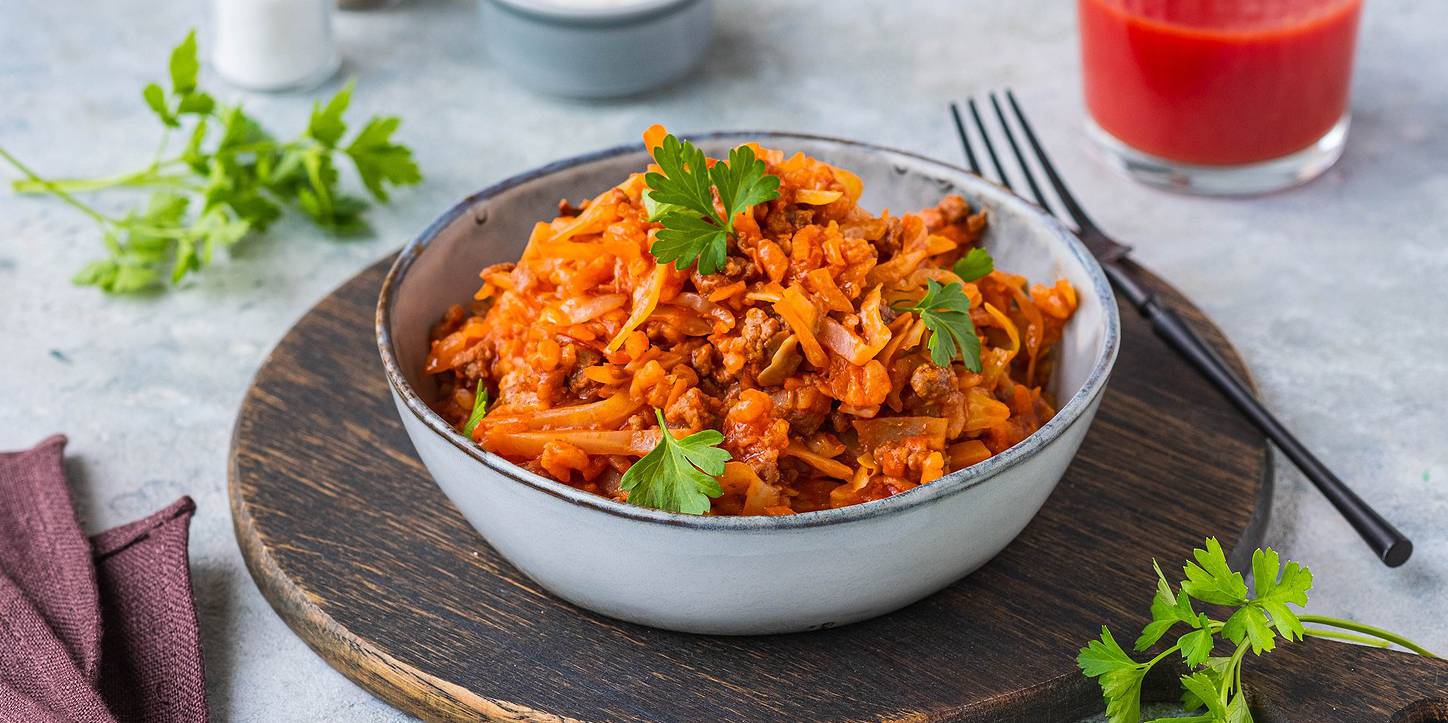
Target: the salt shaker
(275, 45)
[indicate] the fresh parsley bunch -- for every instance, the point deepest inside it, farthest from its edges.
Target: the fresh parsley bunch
(231, 178)
(1258, 620)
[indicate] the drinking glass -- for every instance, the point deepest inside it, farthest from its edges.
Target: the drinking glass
(1219, 96)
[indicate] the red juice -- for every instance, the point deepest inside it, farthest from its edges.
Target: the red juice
(1218, 82)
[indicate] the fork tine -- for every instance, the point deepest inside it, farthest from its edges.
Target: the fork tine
(989, 147)
(1069, 201)
(964, 138)
(1020, 159)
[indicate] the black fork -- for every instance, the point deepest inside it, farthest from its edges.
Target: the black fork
(1386, 541)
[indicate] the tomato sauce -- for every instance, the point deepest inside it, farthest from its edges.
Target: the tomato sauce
(1218, 83)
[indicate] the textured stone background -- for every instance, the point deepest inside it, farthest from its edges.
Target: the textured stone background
(1334, 292)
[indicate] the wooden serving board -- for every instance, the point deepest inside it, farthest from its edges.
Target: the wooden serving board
(363, 556)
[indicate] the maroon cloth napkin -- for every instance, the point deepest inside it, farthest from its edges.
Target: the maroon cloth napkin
(92, 629)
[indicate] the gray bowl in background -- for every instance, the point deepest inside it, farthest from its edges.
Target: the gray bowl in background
(597, 52)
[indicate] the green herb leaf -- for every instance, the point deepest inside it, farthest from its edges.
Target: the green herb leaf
(1118, 675)
(156, 98)
(378, 160)
(687, 239)
(1249, 624)
(656, 210)
(1167, 609)
(742, 183)
(480, 409)
(199, 104)
(946, 313)
(1201, 689)
(1211, 580)
(184, 66)
(974, 265)
(681, 199)
(326, 124)
(685, 179)
(1196, 646)
(677, 475)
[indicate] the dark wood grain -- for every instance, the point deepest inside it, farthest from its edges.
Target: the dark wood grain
(368, 562)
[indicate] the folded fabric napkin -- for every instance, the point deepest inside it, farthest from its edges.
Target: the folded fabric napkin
(92, 629)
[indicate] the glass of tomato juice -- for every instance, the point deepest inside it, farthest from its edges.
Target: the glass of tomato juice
(1219, 96)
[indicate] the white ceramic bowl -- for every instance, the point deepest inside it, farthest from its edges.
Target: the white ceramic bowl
(742, 575)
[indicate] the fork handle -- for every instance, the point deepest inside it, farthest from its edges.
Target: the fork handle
(1385, 540)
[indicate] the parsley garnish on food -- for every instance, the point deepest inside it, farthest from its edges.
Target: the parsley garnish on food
(480, 409)
(1258, 620)
(976, 264)
(679, 474)
(946, 313)
(682, 200)
(230, 179)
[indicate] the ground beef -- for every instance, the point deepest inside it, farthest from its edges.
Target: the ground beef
(933, 383)
(936, 394)
(890, 242)
(693, 410)
(581, 386)
(735, 269)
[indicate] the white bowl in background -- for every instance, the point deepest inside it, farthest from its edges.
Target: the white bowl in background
(597, 49)
(743, 575)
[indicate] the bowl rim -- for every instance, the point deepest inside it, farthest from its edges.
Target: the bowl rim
(633, 12)
(954, 483)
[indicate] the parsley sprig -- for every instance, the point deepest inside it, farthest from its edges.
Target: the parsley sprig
(946, 313)
(682, 200)
(976, 264)
(230, 179)
(678, 475)
(480, 409)
(1259, 619)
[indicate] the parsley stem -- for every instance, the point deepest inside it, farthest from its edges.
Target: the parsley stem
(161, 147)
(147, 177)
(1236, 666)
(1358, 627)
(1164, 653)
(1350, 637)
(58, 191)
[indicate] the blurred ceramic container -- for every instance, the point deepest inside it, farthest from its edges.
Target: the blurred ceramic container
(597, 48)
(275, 45)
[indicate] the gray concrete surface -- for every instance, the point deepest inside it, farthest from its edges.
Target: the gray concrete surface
(1334, 292)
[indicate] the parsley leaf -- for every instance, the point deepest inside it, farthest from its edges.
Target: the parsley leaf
(678, 475)
(1211, 580)
(232, 178)
(184, 66)
(326, 124)
(1274, 592)
(681, 199)
(378, 160)
(1167, 609)
(480, 409)
(976, 264)
(946, 313)
(1120, 677)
